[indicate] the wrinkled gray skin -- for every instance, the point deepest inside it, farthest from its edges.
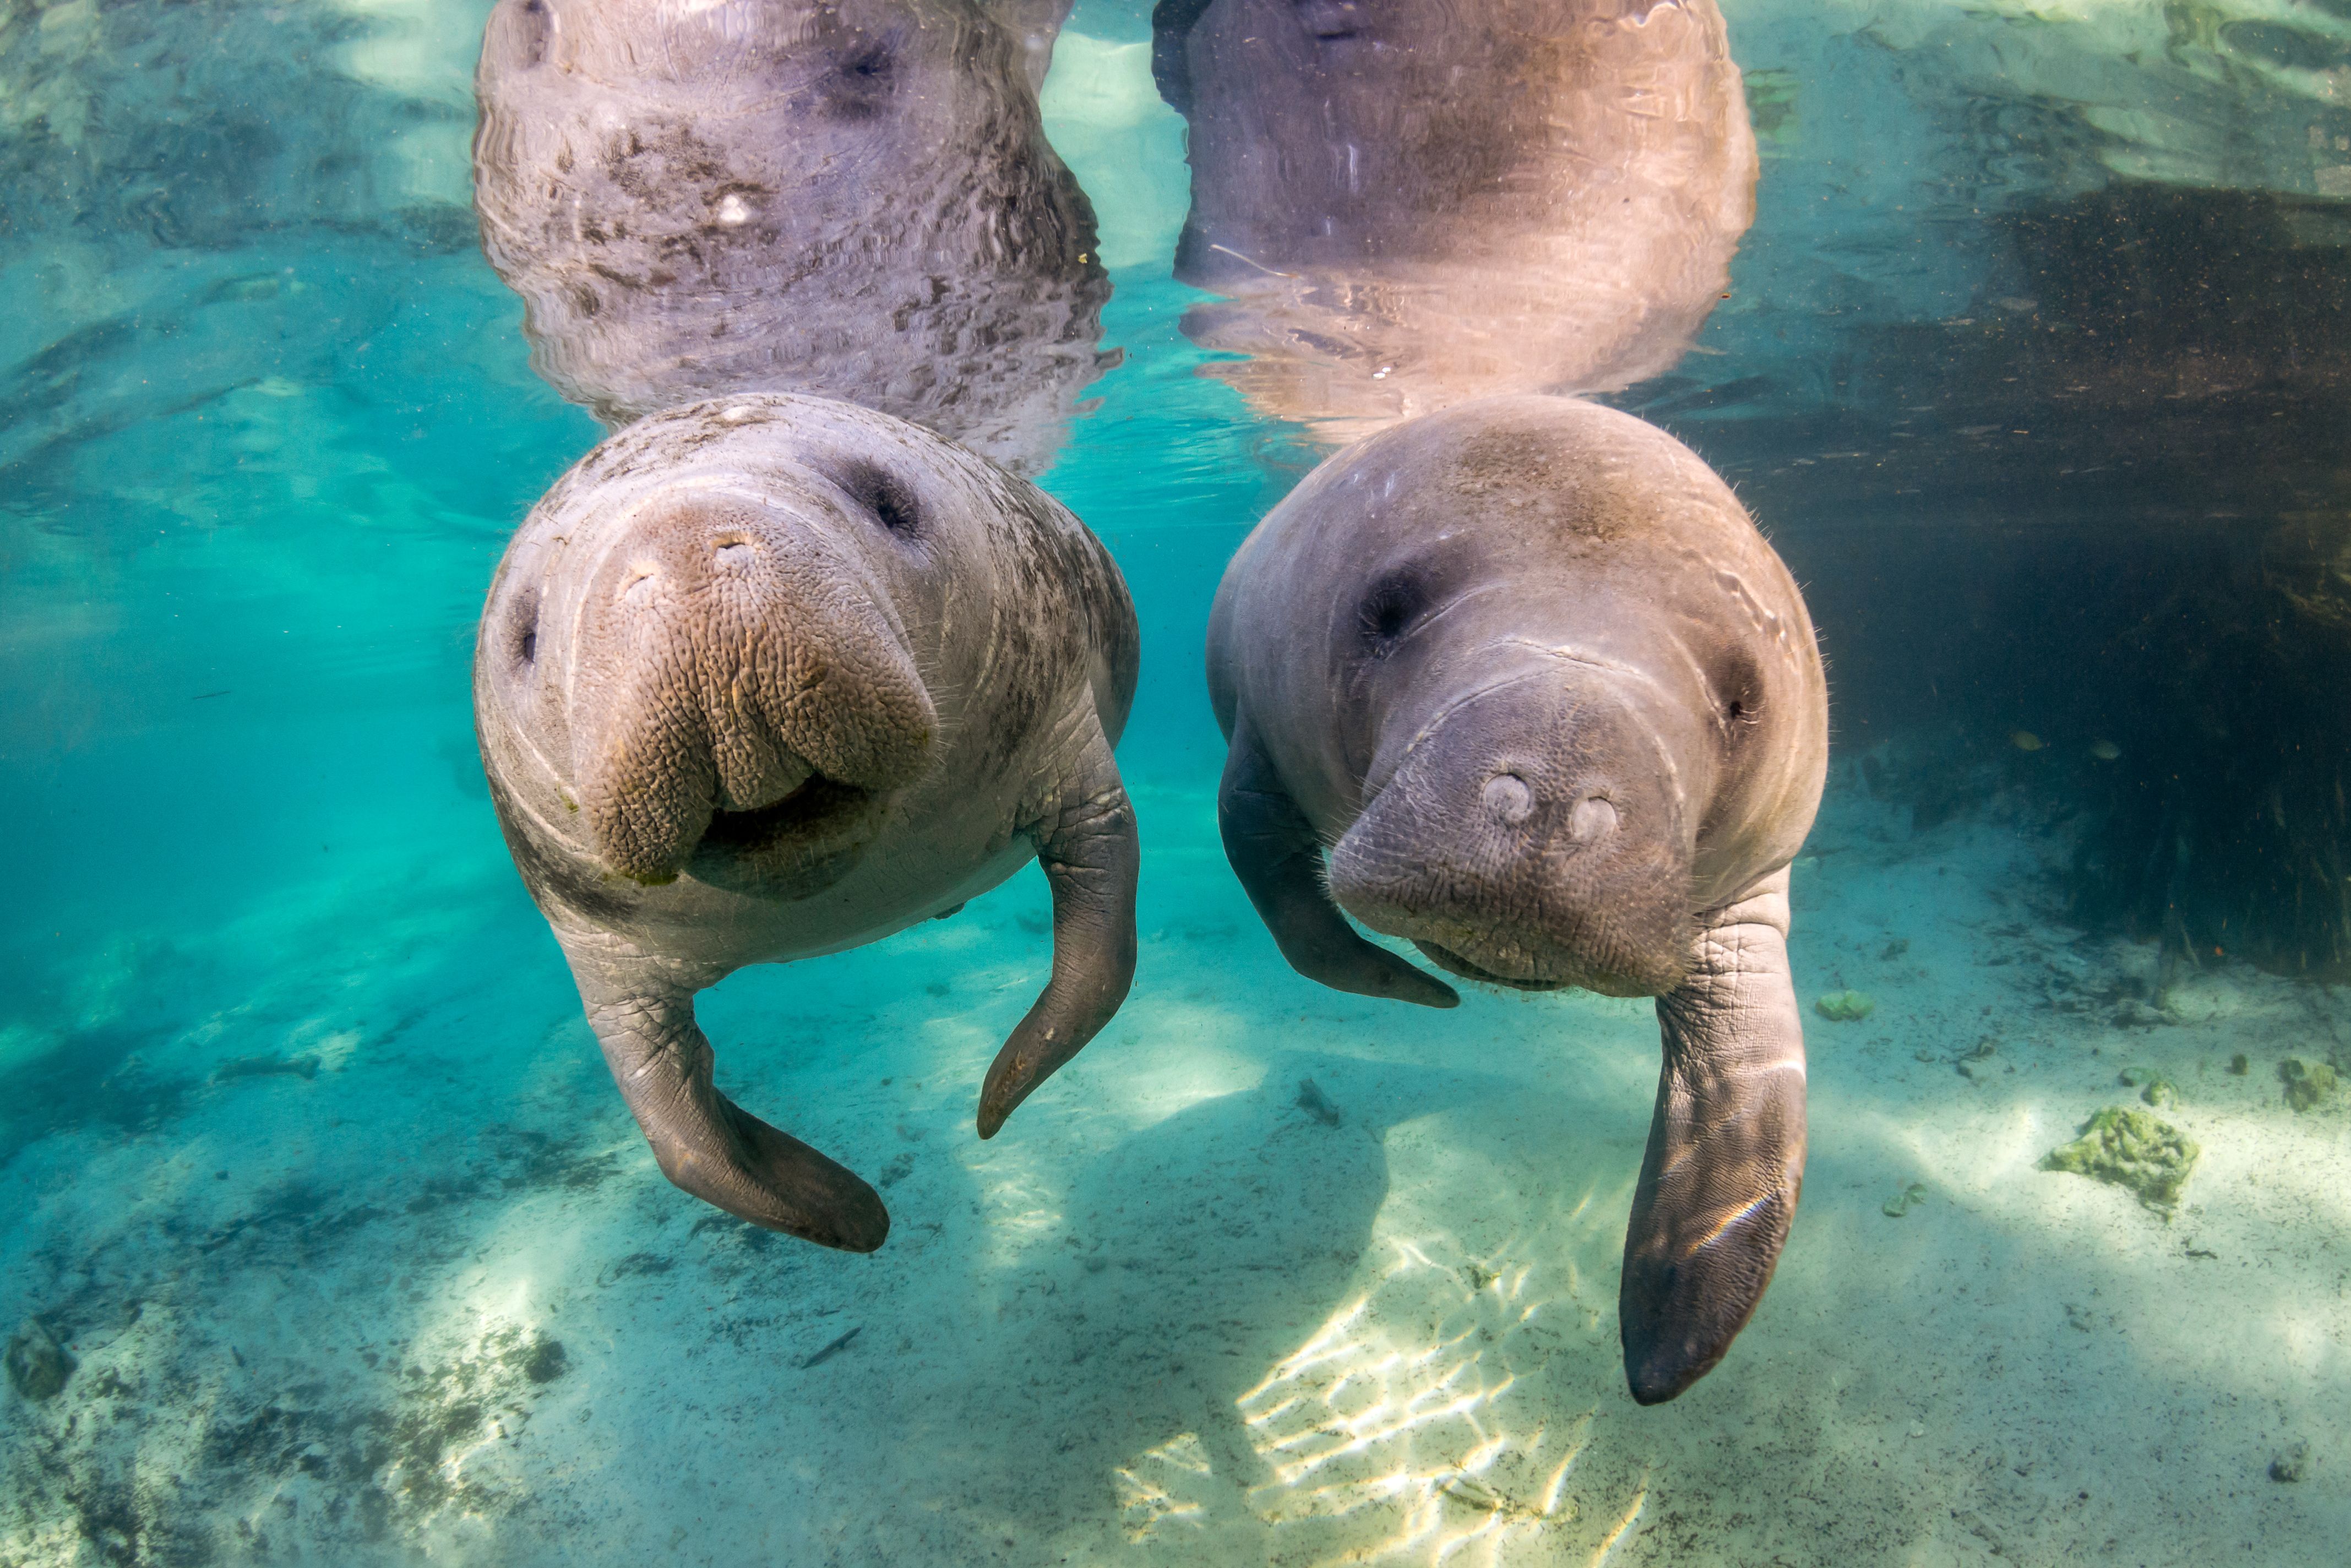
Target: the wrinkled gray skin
(769, 676)
(1528, 671)
(1407, 205)
(854, 199)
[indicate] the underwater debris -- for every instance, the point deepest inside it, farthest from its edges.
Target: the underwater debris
(2105, 750)
(1315, 1103)
(2132, 1013)
(1845, 1006)
(2239, 1064)
(2307, 1083)
(2153, 1087)
(2131, 1149)
(37, 1364)
(1903, 1202)
(2025, 741)
(1463, 1487)
(2290, 1466)
(1479, 1277)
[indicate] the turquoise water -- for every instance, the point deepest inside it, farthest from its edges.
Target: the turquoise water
(2031, 364)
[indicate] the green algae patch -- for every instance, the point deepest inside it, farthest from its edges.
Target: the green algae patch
(2307, 1083)
(1845, 1006)
(2154, 1088)
(2131, 1149)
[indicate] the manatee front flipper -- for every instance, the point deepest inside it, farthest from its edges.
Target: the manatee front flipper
(705, 1142)
(1274, 851)
(1085, 841)
(1726, 1155)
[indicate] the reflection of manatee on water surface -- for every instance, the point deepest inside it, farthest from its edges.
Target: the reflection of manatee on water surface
(1408, 205)
(771, 676)
(1531, 673)
(855, 200)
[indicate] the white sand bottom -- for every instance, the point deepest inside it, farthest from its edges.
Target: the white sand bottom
(1170, 1315)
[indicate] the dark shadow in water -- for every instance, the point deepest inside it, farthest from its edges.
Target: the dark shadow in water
(2100, 505)
(2169, 697)
(91, 1078)
(2168, 349)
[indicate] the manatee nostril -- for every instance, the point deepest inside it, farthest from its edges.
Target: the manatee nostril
(1593, 818)
(1507, 797)
(640, 586)
(734, 555)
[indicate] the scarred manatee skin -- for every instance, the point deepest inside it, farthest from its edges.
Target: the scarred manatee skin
(1405, 206)
(769, 676)
(855, 200)
(1460, 640)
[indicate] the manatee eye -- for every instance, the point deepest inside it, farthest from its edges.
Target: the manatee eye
(522, 628)
(1737, 688)
(863, 76)
(884, 495)
(1389, 610)
(1325, 20)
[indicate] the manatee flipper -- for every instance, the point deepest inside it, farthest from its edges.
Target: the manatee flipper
(705, 1143)
(1086, 843)
(1726, 1156)
(1275, 852)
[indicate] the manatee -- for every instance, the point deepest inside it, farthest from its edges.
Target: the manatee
(1409, 205)
(851, 198)
(1530, 674)
(769, 676)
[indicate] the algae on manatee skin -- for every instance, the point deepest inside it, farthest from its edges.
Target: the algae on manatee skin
(1845, 1006)
(2132, 1149)
(2306, 1083)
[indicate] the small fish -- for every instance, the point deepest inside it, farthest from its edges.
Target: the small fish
(2025, 740)
(829, 1351)
(2105, 750)
(1315, 1103)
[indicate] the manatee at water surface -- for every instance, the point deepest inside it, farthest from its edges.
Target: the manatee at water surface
(856, 200)
(1406, 206)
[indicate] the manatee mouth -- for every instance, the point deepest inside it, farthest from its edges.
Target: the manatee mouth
(797, 847)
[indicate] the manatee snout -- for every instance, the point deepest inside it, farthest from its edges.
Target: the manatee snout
(737, 679)
(1533, 837)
